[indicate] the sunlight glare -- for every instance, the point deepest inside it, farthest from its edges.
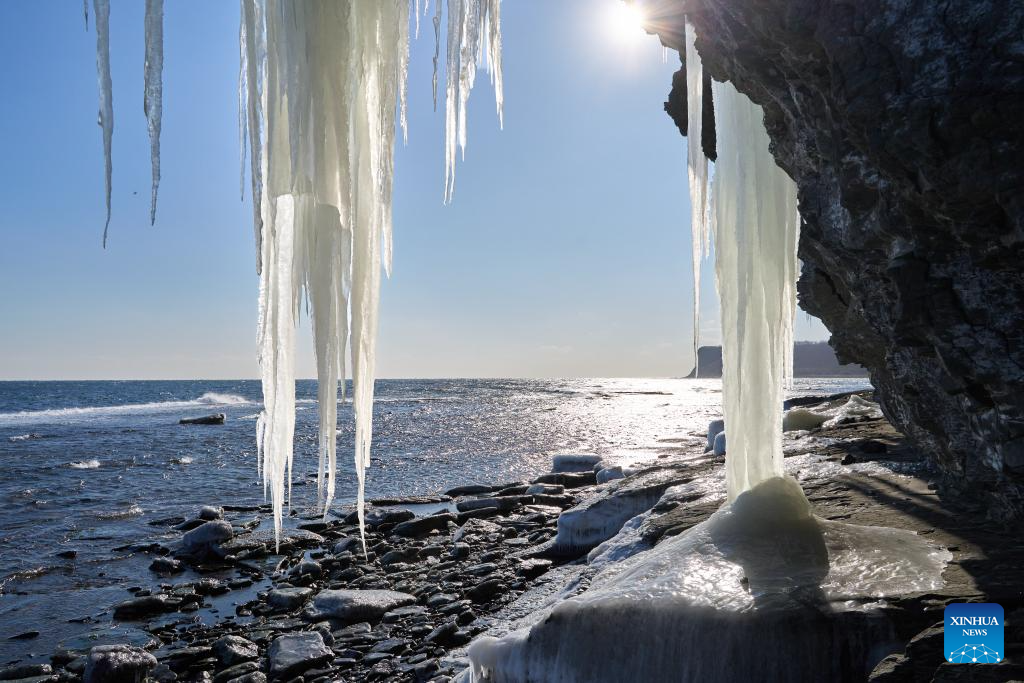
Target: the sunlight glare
(626, 20)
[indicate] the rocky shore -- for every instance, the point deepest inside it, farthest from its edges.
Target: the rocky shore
(231, 607)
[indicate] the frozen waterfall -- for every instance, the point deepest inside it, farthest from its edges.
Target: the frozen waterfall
(321, 89)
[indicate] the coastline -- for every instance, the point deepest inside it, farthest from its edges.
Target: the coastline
(485, 558)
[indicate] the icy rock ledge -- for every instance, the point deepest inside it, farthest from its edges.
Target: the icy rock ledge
(762, 590)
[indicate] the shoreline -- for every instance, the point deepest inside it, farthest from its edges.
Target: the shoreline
(432, 582)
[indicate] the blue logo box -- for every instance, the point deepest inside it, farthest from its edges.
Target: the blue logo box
(973, 633)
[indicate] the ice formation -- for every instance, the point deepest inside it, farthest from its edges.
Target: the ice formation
(153, 99)
(756, 592)
(697, 170)
(755, 233)
(323, 87)
(101, 19)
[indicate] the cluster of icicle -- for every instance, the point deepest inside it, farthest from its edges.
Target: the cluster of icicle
(754, 223)
(152, 103)
(321, 86)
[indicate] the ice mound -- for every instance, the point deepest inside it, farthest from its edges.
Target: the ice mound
(804, 418)
(762, 590)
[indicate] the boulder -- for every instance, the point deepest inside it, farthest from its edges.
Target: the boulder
(117, 664)
(422, 525)
(145, 607)
(231, 650)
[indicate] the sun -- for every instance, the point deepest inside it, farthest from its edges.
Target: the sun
(626, 19)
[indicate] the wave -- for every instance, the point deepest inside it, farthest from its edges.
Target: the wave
(24, 437)
(183, 460)
(84, 464)
(132, 511)
(71, 414)
(214, 399)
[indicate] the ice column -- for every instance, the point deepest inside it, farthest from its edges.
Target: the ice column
(755, 226)
(697, 167)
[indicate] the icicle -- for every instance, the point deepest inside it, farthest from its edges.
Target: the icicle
(437, 46)
(101, 11)
(85, 13)
(153, 99)
(697, 167)
(755, 234)
(474, 29)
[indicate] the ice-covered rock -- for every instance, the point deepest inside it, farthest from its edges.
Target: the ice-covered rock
(715, 427)
(762, 590)
(117, 664)
(719, 447)
(802, 418)
(609, 474)
(206, 535)
(356, 605)
(574, 462)
(599, 518)
(292, 653)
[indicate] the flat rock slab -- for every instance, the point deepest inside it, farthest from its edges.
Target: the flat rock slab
(208, 533)
(293, 653)
(356, 605)
(289, 598)
(422, 525)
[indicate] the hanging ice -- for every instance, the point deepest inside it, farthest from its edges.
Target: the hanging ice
(755, 234)
(474, 31)
(321, 82)
(101, 13)
(153, 99)
(697, 170)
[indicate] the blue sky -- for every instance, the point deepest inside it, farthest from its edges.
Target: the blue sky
(565, 252)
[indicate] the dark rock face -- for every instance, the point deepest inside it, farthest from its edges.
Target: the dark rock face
(901, 122)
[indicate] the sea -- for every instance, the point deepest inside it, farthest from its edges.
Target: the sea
(94, 466)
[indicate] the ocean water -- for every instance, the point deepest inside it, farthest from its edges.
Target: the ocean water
(86, 466)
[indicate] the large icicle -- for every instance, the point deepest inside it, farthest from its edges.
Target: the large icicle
(755, 234)
(474, 31)
(697, 168)
(153, 98)
(101, 13)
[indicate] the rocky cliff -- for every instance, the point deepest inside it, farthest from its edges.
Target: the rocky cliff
(901, 122)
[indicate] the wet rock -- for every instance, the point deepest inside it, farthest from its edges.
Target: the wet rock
(380, 516)
(400, 555)
(292, 653)
(345, 544)
(254, 677)
(422, 525)
(486, 590)
(290, 597)
(356, 605)
(26, 635)
(460, 551)
(569, 480)
(145, 607)
(236, 671)
(442, 635)
(309, 568)
(215, 419)
(533, 567)
(24, 671)
(117, 664)
(231, 650)
(207, 534)
(209, 513)
(167, 566)
(471, 490)
(67, 554)
(504, 504)
(545, 489)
